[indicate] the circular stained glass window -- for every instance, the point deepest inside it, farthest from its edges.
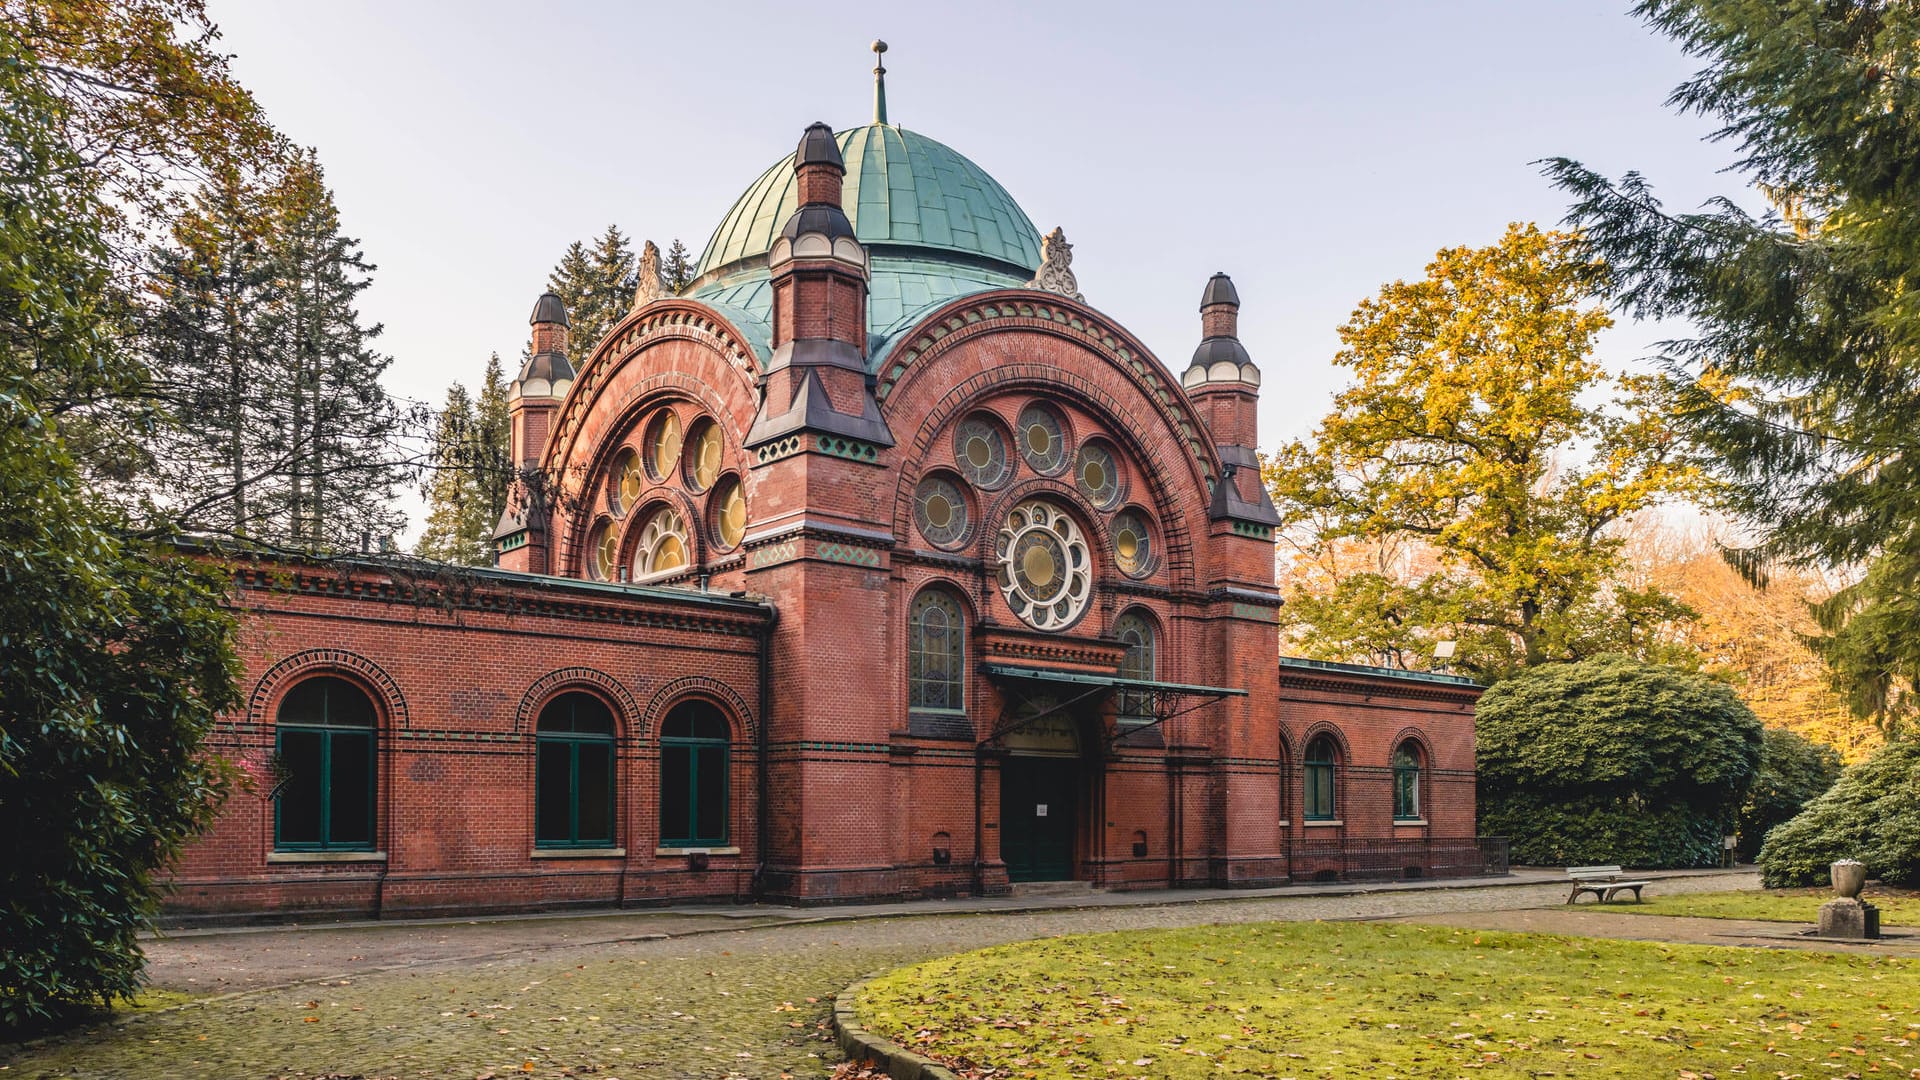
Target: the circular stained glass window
(605, 552)
(1043, 440)
(704, 450)
(940, 510)
(1132, 547)
(730, 517)
(627, 481)
(981, 452)
(1093, 471)
(663, 444)
(1044, 569)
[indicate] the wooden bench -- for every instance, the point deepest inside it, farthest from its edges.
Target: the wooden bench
(1603, 882)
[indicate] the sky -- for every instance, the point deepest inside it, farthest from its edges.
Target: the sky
(1313, 151)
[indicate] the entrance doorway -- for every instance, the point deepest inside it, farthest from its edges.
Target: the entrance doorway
(1037, 800)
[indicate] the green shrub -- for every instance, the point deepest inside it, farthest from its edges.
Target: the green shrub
(1793, 771)
(1612, 760)
(1872, 813)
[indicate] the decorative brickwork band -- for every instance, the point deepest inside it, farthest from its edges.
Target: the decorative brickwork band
(699, 686)
(547, 686)
(327, 661)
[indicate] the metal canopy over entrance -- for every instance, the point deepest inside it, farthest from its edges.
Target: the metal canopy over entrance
(1160, 700)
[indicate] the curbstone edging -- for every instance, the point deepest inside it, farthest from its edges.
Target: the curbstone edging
(859, 1044)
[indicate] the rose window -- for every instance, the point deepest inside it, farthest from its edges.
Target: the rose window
(1096, 476)
(1045, 572)
(940, 511)
(1043, 442)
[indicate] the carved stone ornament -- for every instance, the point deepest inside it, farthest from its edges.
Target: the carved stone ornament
(1056, 267)
(652, 286)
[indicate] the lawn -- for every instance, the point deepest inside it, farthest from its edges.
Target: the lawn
(1396, 1000)
(1897, 908)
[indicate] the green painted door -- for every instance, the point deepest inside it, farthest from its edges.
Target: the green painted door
(1037, 800)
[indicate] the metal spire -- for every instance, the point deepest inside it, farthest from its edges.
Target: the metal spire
(879, 82)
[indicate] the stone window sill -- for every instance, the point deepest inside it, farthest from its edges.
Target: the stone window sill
(697, 851)
(326, 856)
(1284, 823)
(1332, 824)
(579, 853)
(1399, 821)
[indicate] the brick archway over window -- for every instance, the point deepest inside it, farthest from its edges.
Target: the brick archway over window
(687, 686)
(370, 675)
(548, 686)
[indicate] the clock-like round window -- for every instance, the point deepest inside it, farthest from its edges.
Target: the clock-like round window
(940, 510)
(663, 444)
(1045, 572)
(730, 518)
(1132, 544)
(1094, 474)
(981, 452)
(604, 551)
(628, 479)
(705, 448)
(1043, 439)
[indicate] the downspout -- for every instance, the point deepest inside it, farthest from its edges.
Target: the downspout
(763, 831)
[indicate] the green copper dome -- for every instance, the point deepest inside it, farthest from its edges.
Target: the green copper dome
(936, 228)
(902, 189)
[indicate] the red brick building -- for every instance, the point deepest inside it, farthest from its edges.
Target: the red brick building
(877, 563)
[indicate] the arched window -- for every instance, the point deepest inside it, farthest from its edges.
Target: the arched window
(694, 743)
(1406, 782)
(662, 547)
(1135, 707)
(936, 654)
(324, 743)
(573, 788)
(1319, 793)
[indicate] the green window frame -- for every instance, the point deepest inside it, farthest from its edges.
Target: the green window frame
(1406, 783)
(1320, 795)
(326, 751)
(936, 655)
(575, 760)
(1135, 707)
(696, 753)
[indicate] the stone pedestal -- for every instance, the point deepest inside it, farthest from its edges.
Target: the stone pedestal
(1848, 917)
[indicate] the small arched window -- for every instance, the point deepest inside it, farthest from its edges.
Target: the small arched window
(324, 746)
(1135, 707)
(1406, 782)
(573, 773)
(662, 547)
(694, 760)
(1322, 757)
(936, 654)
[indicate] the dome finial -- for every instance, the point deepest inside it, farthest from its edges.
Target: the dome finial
(879, 82)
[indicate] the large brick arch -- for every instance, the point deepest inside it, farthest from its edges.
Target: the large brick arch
(1174, 490)
(554, 683)
(692, 686)
(354, 667)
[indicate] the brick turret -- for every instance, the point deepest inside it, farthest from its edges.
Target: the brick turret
(1224, 383)
(533, 399)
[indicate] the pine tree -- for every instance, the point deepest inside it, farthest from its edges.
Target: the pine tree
(334, 428)
(457, 530)
(1803, 381)
(679, 269)
(596, 284)
(492, 465)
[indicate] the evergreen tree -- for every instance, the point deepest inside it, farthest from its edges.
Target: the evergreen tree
(597, 285)
(333, 426)
(457, 529)
(1802, 382)
(679, 269)
(493, 467)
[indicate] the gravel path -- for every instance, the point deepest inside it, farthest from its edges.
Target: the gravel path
(548, 998)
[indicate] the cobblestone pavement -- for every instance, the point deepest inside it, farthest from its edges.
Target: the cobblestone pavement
(724, 1000)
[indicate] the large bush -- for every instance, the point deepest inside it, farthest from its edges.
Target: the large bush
(1612, 760)
(1872, 814)
(1793, 771)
